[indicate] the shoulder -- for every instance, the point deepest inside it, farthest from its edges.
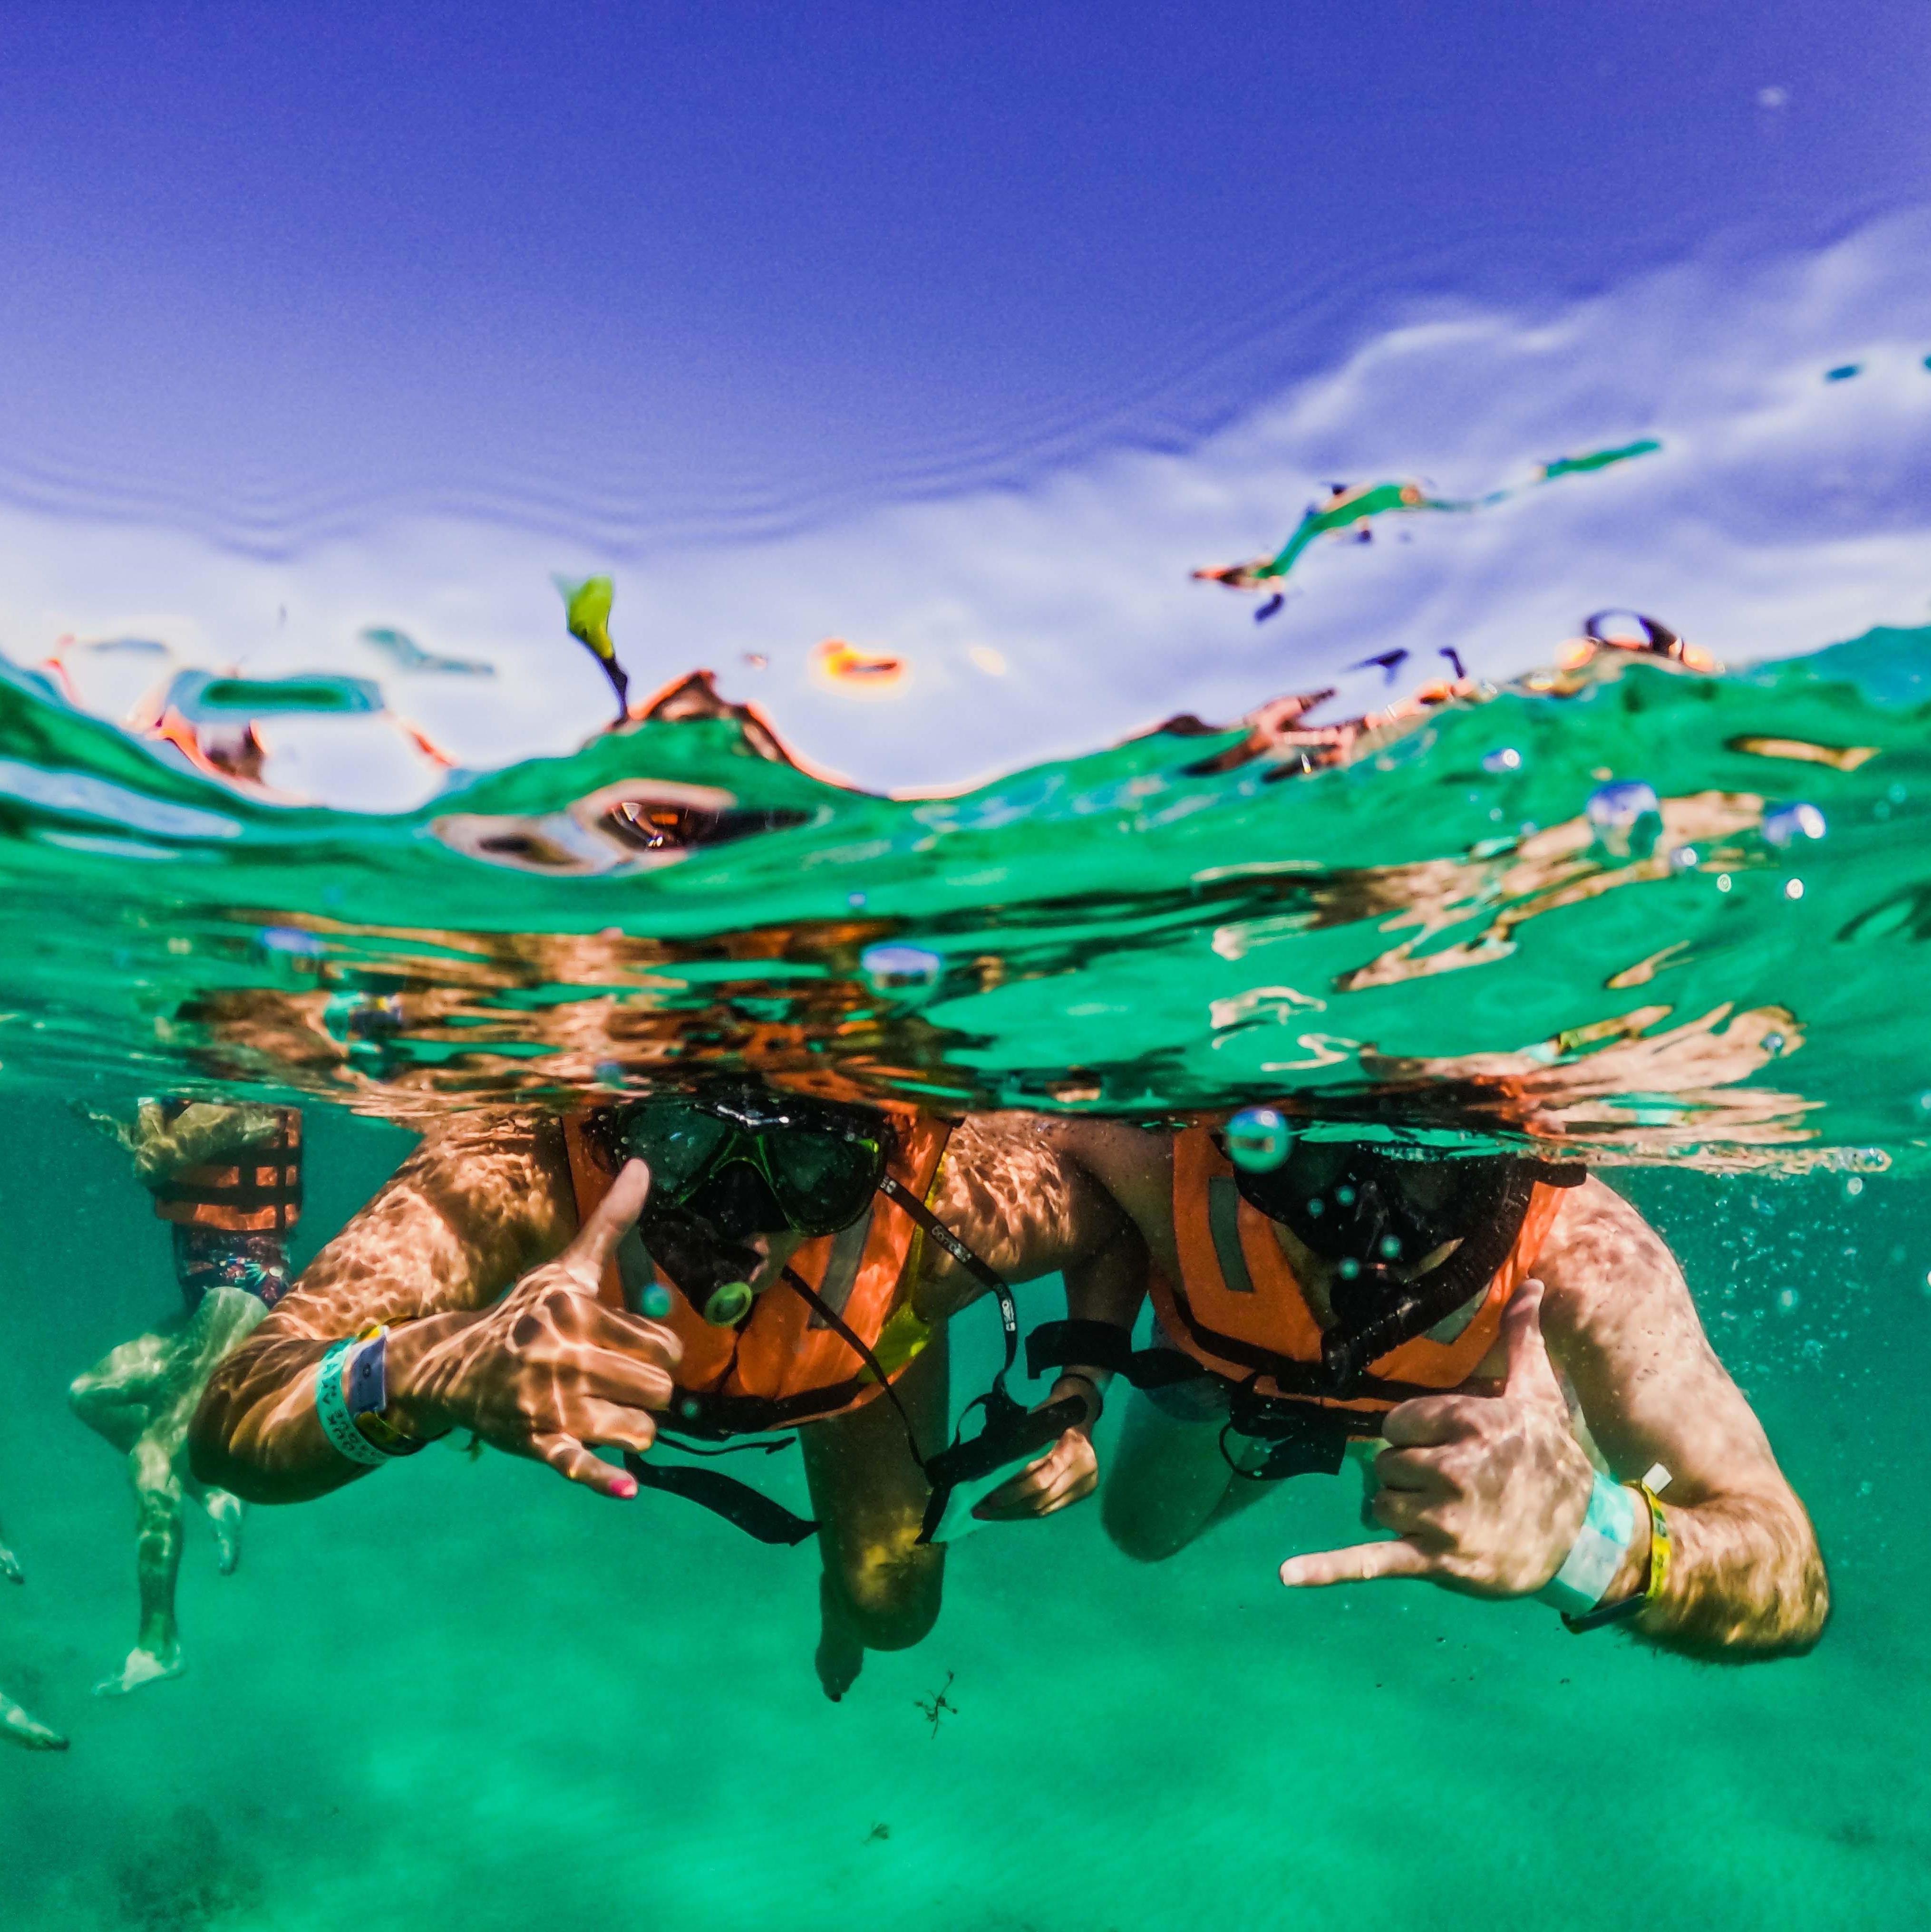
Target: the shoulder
(1127, 1160)
(1609, 1275)
(1598, 1239)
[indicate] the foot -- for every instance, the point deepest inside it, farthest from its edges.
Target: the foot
(225, 1512)
(28, 1732)
(142, 1666)
(840, 1658)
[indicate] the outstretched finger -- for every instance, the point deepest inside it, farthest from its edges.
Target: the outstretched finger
(1362, 1563)
(573, 1461)
(615, 1215)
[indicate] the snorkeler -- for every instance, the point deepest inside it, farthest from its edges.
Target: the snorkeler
(798, 1261)
(1521, 1340)
(18, 1724)
(228, 1180)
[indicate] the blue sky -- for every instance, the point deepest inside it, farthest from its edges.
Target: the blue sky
(642, 275)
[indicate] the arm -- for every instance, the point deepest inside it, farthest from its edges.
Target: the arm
(1038, 1209)
(1486, 1494)
(1745, 1578)
(480, 1201)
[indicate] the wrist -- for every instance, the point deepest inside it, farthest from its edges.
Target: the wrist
(1085, 1383)
(414, 1358)
(1587, 1575)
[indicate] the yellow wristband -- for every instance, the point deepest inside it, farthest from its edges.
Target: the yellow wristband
(1659, 1546)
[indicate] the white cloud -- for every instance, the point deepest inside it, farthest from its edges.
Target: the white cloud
(1784, 511)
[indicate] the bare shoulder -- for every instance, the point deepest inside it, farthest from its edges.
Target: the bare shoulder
(1601, 1258)
(1135, 1166)
(1012, 1193)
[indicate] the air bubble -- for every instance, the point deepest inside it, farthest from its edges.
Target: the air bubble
(1391, 1248)
(1787, 1300)
(1345, 1195)
(1685, 858)
(655, 1301)
(1789, 822)
(1773, 1043)
(1259, 1139)
(1347, 1268)
(895, 968)
(1793, 889)
(291, 939)
(1503, 758)
(690, 1409)
(1853, 1187)
(1723, 882)
(1627, 817)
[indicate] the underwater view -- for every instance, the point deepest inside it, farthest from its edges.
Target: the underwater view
(1055, 886)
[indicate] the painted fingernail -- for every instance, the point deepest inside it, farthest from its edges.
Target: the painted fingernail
(624, 1487)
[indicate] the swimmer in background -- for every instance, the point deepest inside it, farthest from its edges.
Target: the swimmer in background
(227, 1179)
(17, 1724)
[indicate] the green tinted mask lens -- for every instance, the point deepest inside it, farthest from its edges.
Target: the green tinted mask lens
(822, 1181)
(677, 1143)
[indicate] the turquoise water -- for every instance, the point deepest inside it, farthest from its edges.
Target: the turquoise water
(510, 1705)
(467, 1693)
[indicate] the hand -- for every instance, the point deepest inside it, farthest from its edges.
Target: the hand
(1486, 1493)
(550, 1371)
(1068, 1472)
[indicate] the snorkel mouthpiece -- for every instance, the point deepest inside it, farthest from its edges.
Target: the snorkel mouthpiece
(708, 1269)
(728, 1304)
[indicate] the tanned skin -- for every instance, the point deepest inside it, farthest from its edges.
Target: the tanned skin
(1486, 1492)
(474, 1244)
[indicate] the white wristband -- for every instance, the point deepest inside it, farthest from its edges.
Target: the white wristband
(1597, 1554)
(332, 1404)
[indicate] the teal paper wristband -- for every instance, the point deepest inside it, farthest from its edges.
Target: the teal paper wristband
(1597, 1554)
(332, 1406)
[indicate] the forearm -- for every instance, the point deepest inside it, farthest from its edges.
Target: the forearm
(1745, 1581)
(257, 1432)
(1106, 1287)
(461, 1220)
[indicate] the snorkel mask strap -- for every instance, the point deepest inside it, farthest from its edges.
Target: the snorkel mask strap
(981, 1271)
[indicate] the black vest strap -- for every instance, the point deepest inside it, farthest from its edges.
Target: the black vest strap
(1105, 1345)
(738, 1503)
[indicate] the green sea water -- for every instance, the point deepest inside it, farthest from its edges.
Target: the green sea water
(466, 1694)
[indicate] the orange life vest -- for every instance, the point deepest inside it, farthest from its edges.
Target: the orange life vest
(782, 1364)
(1239, 1312)
(259, 1193)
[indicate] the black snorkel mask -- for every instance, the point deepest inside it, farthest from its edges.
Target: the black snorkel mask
(1376, 1217)
(740, 1161)
(737, 1162)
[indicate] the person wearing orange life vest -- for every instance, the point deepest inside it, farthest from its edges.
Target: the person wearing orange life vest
(227, 1180)
(1516, 1335)
(795, 1265)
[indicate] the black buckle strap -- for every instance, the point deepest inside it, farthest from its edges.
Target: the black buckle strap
(1105, 1345)
(751, 1510)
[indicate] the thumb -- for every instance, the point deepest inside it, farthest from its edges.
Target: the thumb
(614, 1217)
(1532, 1376)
